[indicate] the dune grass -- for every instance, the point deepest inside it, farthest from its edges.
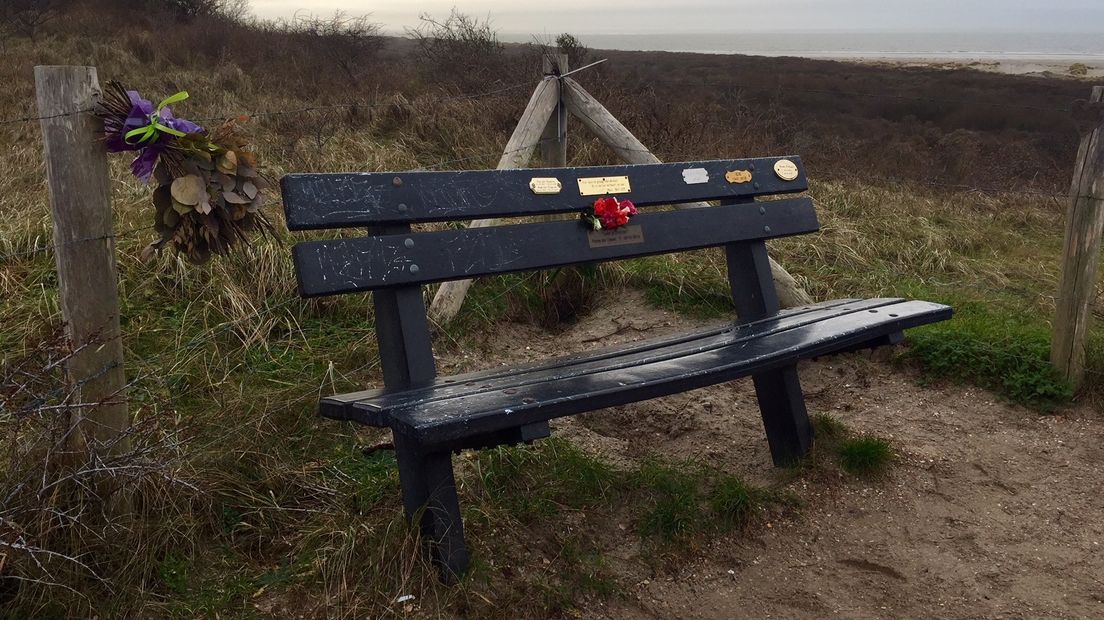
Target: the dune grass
(243, 503)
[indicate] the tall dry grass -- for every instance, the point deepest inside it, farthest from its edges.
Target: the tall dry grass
(238, 500)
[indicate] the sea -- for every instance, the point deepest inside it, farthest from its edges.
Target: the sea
(1037, 47)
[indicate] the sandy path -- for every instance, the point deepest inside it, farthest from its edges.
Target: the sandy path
(992, 511)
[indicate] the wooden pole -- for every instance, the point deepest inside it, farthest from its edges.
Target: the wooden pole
(610, 131)
(80, 199)
(1081, 255)
(554, 139)
(519, 150)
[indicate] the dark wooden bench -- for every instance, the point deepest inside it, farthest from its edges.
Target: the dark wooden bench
(431, 417)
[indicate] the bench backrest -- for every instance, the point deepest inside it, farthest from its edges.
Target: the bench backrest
(394, 261)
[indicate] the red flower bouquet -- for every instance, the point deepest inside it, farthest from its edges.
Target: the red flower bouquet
(609, 213)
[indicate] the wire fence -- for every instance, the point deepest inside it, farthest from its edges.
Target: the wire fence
(777, 90)
(957, 187)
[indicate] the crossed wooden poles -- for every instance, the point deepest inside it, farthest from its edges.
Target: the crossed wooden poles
(544, 122)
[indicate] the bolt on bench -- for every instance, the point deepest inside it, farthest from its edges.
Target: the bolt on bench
(431, 417)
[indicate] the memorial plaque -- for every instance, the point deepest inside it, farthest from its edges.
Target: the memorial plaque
(600, 186)
(785, 169)
(625, 235)
(738, 176)
(695, 176)
(545, 185)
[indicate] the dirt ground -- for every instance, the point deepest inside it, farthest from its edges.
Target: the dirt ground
(992, 511)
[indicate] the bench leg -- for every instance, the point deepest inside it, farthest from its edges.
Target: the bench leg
(429, 495)
(784, 415)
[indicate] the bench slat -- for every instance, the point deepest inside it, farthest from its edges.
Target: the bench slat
(337, 200)
(380, 402)
(347, 265)
(452, 419)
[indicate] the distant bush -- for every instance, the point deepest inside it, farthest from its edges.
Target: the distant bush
(26, 17)
(578, 54)
(461, 49)
(187, 9)
(350, 43)
(1079, 69)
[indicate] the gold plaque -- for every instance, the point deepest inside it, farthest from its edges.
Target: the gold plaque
(625, 235)
(785, 169)
(738, 176)
(599, 186)
(545, 185)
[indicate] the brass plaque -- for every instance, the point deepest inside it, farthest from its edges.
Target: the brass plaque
(545, 185)
(600, 186)
(625, 235)
(785, 169)
(738, 176)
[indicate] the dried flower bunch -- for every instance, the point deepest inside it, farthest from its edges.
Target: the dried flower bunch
(209, 190)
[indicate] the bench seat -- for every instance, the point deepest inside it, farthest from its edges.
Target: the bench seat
(462, 406)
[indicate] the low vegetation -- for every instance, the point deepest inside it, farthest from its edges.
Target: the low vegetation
(240, 502)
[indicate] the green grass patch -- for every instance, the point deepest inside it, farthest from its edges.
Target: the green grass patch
(735, 503)
(995, 345)
(864, 456)
(836, 445)
(664, 500)
(672, 499)
(535, 482)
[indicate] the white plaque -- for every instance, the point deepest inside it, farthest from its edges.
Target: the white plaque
(695, 176)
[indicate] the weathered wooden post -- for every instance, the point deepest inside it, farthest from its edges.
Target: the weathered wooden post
(519, 150)
(552, 97)
(554, 139)
(80, 199)
(1081, 253)
(616, 136)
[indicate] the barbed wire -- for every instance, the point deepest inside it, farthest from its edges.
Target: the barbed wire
(302, 110)
(28, 119)
(53, 246)
(736, 86)
(961, 187)
(789, 91)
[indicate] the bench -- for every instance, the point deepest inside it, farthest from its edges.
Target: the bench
(432, 417)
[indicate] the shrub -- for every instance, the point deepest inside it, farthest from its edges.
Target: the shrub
(578, 54)
(351, 43)
(994, 349)
(460, 50)
(26, 17)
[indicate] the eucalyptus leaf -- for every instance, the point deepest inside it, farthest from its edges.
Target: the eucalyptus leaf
(225, 181)
(235, 199)
(189, 190)
(171, 218)
(228, 163)
(181, 208)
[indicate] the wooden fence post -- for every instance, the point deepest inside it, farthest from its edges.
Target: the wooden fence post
(610, 131)
(554, 139)
(519, 150)
(80, 199)
(1081, 254)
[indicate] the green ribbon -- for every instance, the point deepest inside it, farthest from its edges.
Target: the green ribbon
(149, 132)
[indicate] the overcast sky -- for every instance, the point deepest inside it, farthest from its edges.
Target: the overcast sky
(672, 16)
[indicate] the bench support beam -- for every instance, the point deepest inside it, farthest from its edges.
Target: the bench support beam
(430, 500)
(781, 402)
